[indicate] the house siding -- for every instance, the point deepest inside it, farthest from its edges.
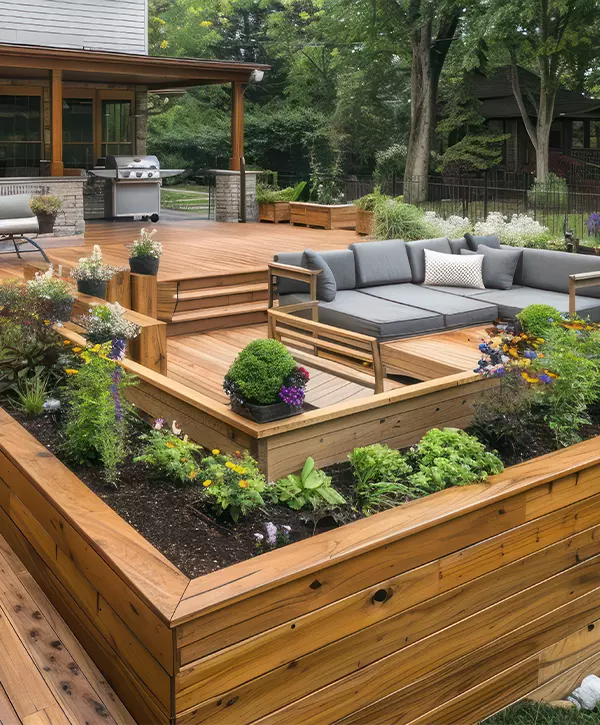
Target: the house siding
(112, 25)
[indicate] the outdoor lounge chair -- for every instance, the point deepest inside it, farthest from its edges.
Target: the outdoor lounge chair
(16, 221)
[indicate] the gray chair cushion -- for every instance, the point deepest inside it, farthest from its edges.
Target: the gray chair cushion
(341, 263)
(290, 286)
(384, 262)
(511, 302)
(550, 270)
(489, 240)
(457, 244)
(499, 265)
(458, 310)
(326, 287)
(460, 291)
(416, 254)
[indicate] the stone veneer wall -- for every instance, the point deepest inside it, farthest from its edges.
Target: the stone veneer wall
(227, 197)
(70, 189)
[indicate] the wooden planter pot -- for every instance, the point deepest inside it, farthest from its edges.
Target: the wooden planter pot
(276, 212)
(445, 609)
(334, 216)
(364, 222)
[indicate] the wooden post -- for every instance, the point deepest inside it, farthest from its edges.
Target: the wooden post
(144, 294)
(237, 125)
(57, 165)
(119, 289)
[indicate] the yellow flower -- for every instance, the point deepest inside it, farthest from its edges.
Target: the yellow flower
(170, 445)
(526, 376)
(164, 44)
(97, 348)
(67, 342)
(207, 483)
(243, 484)
(77, 349)
(215, 451)
(205, 24)
(193, 474)
(46, 322)
(229, 464)
(71, 371)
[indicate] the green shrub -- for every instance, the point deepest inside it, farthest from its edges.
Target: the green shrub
(170, 454)
(232, 485)
(311, 489)
(536, 320)
(551, 194)
(393, 219)
(449, 457)
(46, 204)
(31, 395)
(259, 371)
(368, 202)
(380, 475)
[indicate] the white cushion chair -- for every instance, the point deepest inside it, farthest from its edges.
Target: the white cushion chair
(17, 221)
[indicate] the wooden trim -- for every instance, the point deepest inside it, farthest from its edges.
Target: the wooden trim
(6, 89)
(56, 110)
(580, 281)
(289, 271)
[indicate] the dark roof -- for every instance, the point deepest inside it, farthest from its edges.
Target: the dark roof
(157, 72)
(498, 101)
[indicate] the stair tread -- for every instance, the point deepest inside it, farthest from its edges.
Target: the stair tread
(224, 311)
(200, 294)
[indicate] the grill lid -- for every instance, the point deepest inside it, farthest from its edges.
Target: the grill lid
(132, 162)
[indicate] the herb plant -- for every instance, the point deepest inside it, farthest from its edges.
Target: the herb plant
(380, 475)
(169, 453)
(233, 485)
(311, 489)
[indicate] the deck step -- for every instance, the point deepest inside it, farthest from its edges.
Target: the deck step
(227, 279)
(221, 296)
(215, 318)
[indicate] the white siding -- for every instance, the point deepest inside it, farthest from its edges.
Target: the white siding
(114, 25)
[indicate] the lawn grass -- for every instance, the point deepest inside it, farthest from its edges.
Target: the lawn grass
(535, 713)
(184, 199)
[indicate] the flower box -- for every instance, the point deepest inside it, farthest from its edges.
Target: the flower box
(364, 222)
(327, 216)
(276, 212)
(492, 588)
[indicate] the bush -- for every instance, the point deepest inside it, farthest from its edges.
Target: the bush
(449, 457)
(453, 227)
(474, 152)
(536, 320)
(259, 372)
(311, 489)
(168, 452)
(521, 231)
(552, 194)
(380, 475)
(232, 485)
(394, 219)
(46, 204)
(369, 201)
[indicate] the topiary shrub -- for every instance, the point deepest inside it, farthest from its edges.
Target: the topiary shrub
(259, 372)
(536, 320)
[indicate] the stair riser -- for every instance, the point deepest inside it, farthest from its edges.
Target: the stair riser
(215, 323)
(221, 301)
(225, 280)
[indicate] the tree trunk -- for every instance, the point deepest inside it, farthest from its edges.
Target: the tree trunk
(544, 122)
(422, 113)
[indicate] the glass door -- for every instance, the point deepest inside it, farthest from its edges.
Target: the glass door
(78, 133)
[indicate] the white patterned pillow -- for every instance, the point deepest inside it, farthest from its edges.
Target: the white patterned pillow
(450, 270)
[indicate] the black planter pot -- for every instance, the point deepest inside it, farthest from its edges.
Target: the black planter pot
(46, 222)
(92, 287)
(144, 265)
(264, 413)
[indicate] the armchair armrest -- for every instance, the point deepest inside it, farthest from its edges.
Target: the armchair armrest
(579, 281)
(289, 271)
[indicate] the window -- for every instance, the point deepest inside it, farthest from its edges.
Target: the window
(578, 139)
(20, 134)
(116, 128)
(594, 134)
(78, 133)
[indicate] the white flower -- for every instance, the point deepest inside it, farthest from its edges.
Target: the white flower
(174, 429)
(271, 533)
(51, 405)
(146, 245)
(453, 227)
(259, 537)
(286, 528)
(521, 231)
(109, 322)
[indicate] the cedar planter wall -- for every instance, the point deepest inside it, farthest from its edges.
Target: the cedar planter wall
(364, 222)
(278, 211)
(334, 216)
(439, 612)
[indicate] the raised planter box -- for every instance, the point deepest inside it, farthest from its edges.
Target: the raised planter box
(364, 222)
(440, 611)
(278, 211)
(334, 216)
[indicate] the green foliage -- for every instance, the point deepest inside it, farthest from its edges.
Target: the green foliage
(96, 426)
(45, 286)
(380, 475)
(472, 153)
(269, 195)
(538, 713)
(537, 320)
(259, 371)
(146, 246)
(394, 219)
(390, 161)
(449, 457)
(170, 454)
(46, 204)
(552, 193)
(232, 485)
(31, 395)
(311, 489)
(368, 202)
(325, 182)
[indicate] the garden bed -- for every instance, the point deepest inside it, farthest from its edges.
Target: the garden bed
(276, 211)
(327, 216)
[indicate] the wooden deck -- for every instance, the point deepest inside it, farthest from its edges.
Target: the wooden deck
(46, 677)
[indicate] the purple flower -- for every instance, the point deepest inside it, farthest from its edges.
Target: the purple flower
(271, 533)
(545, 378)
(117, 350)
(530, 354)
(292, 395)
(593, 224)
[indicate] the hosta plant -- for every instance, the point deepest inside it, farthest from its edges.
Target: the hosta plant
(311, 489)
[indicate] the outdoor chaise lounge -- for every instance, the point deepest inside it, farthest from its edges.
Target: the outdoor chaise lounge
(377, 288)
(17, 222)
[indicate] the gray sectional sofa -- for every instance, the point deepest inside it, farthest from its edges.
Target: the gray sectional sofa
(379, 288)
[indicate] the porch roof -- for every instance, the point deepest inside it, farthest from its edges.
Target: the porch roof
(156, 72)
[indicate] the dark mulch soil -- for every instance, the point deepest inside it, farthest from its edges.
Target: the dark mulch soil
(171, 519)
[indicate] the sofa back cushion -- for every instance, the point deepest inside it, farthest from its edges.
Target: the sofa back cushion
(550, 270)
(499, 265)
(379, 263)
(456, 245)
(326, 287)
(339, 261)
(290, 286)
(490, 240)
(416, 255)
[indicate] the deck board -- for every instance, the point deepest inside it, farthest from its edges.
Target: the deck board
(46, 678)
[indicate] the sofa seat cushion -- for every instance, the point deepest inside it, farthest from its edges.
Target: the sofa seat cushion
(369, 315)
(458, 311)
(460, 291)
(383, 262)
(511, 301)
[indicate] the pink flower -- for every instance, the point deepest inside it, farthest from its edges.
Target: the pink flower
(158, 423)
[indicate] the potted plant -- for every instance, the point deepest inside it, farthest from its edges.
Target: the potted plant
(274, 204)
(264, 383)
(107, 323)
(365, 209)
(145, 253)
(93, 275)
(54, 292)
(46, 207)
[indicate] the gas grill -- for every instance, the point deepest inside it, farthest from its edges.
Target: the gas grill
(136, 182)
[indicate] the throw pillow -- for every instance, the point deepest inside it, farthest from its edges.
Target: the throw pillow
(326, 286)
(488, 240)
(499, 265)
(453, 270)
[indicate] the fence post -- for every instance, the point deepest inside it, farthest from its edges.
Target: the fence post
(485, 194)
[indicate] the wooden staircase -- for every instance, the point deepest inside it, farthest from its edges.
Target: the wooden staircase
(215, 302)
